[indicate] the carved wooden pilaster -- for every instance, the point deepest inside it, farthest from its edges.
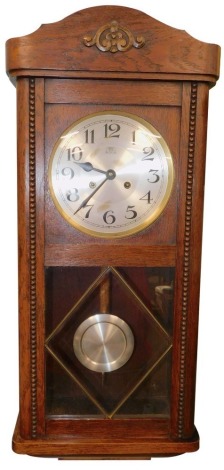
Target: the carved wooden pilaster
(32, 209)
(186, 265)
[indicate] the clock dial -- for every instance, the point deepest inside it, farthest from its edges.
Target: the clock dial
(111, 174)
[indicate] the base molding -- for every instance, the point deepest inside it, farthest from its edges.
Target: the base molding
(79, 448)
(106, 457)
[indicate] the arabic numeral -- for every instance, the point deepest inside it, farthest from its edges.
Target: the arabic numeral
(89, 210)
(89, 136)
(72, 195)
(154, 173)
(112, 130)
(67, 171)
(109, 218)
(74, 154)
(132, 213)
(148, 151)
(147, 197)
(133, 138)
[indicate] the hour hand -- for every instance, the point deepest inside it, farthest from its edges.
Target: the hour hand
(87, 166)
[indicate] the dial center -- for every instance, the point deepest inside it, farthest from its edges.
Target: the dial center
(111, 174)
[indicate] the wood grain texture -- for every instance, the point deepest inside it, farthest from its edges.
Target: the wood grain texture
(99, 92)
(177, 389)
(98, 255)
(189, 234)
(102, 447)
(195, 251)
(40, 275)
(165, 82)
(24, 256)
(60, 46)
(186, 261)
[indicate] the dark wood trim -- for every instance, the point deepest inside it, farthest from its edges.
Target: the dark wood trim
(195, 250)
(143, 428)
(40, 279)
(24, 255)
(31, 272)
(177, 391)
(102, 92)
(33, 252)
(195, 98)
(101, 448)
(82, 74)
(187, 254)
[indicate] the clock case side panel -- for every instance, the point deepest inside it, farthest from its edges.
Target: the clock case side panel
(31, 255)
(188, 260)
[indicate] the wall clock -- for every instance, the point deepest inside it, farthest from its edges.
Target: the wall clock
(112, 116)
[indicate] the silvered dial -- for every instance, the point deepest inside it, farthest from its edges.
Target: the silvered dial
(111, 174)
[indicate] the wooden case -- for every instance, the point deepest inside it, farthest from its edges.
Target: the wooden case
(119, 59)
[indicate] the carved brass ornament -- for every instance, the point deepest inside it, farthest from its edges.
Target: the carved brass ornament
(114, 37)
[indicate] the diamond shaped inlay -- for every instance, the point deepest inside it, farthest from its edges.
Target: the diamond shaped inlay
(110, 296)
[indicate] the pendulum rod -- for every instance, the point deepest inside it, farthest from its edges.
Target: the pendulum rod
(104, 305)
(105, 294)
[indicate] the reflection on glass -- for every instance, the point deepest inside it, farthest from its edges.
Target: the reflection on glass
(155, 287)
(143, 299)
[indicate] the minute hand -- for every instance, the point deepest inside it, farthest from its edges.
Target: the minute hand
(110, 175)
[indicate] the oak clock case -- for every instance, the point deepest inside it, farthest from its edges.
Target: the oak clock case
(111, 160)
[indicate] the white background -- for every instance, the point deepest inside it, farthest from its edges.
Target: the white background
(203, 20)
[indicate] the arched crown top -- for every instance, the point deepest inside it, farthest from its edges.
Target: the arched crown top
(111, 39)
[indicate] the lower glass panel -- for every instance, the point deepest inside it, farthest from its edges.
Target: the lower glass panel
(152, 396)
(64, 396)
(108, 341)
